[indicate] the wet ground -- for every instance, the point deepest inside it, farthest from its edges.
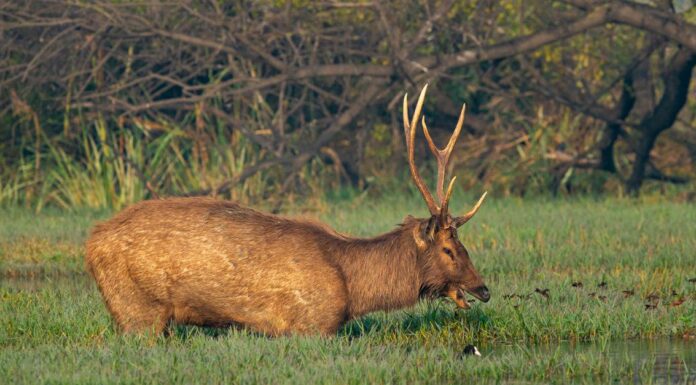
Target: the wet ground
(671, 360)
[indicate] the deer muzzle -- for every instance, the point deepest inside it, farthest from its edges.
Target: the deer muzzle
(481, 293)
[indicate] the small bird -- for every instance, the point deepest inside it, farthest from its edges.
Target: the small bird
(471, 350)
(543, 292)
(653, 297)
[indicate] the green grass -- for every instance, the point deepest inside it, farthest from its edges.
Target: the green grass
(55, 329)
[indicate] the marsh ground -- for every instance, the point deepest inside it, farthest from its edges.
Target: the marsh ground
(570, 279)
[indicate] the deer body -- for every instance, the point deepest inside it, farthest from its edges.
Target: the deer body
(209, 262)
(202, 261)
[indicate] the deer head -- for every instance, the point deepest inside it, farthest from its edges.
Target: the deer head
(447, 267)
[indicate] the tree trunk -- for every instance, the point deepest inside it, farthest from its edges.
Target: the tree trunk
(613, 129)
(677, 79)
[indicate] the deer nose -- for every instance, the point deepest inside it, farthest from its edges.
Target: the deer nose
(482, 293)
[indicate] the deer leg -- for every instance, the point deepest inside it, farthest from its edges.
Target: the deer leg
(133, 310)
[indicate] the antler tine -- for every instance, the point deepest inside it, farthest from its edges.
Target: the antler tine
(443, 155)
(410, 133)
(465, 218)
(445, 203)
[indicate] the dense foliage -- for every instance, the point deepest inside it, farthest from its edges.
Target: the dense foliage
(106, 102)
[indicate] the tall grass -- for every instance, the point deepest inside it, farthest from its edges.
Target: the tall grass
(104, 168)
(109, 164)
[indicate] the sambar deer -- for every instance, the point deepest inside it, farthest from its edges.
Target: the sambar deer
(201, 261)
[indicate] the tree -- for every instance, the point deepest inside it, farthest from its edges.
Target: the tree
(295, 79)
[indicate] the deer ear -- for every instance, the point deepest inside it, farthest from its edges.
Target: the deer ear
(420, 237)
(433, 224)
(424, 233)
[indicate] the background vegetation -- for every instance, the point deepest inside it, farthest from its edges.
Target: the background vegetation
(103, 103)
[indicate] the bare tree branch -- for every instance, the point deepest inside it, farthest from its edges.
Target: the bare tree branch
(646, 17)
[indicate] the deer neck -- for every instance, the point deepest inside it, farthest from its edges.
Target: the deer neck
(381, 273)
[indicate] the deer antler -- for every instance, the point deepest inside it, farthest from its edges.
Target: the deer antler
(445, 202)
(443, 155)
(443, 158)
(465, 218)
(410, 133)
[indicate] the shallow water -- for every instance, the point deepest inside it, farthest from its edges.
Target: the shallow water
(671, 360)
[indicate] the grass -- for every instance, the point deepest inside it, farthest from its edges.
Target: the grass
(104, 167)
(55, 329)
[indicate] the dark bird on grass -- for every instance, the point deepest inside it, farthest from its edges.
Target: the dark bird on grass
(628, 293)
(471, 350)
(576, 284)
(602, 285)
(543, 292)
(652, 297)
(653, 300)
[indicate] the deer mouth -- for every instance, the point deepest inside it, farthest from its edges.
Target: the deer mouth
(458, 294)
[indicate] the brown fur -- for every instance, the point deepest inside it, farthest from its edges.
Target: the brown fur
(202, 261)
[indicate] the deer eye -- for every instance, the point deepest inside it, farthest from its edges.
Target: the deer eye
(448, 252)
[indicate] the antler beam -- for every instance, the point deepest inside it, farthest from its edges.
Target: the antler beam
(410, 133)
